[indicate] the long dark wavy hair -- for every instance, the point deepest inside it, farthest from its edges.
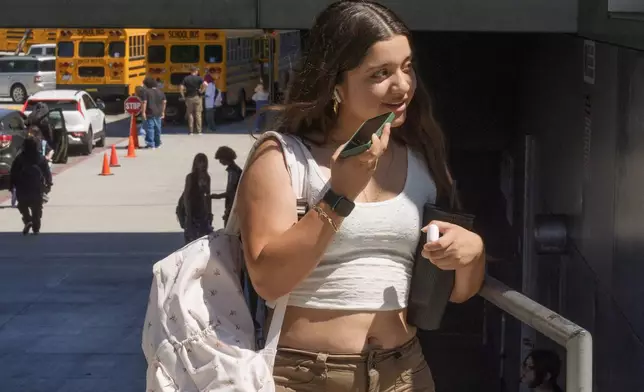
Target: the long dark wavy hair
(338, 42)
(199, 180)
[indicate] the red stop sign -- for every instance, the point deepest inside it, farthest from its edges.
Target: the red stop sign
(133, 105)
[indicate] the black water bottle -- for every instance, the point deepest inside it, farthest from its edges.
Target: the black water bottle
(431, 286)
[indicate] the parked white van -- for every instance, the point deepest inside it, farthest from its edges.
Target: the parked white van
(21, 76)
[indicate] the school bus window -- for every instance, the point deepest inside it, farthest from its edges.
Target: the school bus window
(65, 49)
(91, 72)
(137, 46)
(248, 49)
(184, 54)
(91, 49)
(141, 44)
(156, 54)
(177, 78)
(213, 53)
(232, 50)
(116, 49)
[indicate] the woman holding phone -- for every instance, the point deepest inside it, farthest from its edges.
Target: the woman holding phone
(347, 262)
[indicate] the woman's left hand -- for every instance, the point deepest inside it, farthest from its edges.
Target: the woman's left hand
(455, 249)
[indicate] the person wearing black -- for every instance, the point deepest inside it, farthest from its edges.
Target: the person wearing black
(153, 112)
(226, 156)
(196, 200)
(38, 118)
(31, 177)
(192, 89)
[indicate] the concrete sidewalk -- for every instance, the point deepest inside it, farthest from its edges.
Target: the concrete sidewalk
(140, 196)
(72, 300)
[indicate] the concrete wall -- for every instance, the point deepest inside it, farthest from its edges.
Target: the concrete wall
(590, 148)
(443, 15)
(591, 142)
(241, 14)
(435, 15)
(597, 23)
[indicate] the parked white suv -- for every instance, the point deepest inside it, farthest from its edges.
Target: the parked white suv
(84, 118)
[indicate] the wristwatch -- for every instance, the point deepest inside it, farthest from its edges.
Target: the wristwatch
(339, 204)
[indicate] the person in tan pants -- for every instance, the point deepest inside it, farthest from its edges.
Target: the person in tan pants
(347, 262)
(192, 89)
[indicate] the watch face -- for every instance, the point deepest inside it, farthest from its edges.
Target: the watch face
(344, 207)
(339, 204)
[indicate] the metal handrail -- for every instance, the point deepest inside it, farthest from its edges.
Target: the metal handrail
(577, 341)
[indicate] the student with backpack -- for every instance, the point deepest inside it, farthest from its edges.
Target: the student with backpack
(31, 177)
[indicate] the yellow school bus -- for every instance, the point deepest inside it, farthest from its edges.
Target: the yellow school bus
(10, 38)
(287, 51)
(173, 52)
(107, 63)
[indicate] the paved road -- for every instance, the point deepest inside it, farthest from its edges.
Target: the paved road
(118, 127)
(72, 300)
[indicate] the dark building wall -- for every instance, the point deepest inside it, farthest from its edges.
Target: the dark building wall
(591, 148)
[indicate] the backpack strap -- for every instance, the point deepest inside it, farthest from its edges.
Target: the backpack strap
(296, 160)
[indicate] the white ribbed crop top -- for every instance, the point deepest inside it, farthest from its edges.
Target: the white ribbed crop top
(368, 264)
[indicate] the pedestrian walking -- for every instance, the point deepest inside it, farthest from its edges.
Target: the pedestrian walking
(31, 178)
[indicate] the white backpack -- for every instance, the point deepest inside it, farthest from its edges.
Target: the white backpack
(198, 333)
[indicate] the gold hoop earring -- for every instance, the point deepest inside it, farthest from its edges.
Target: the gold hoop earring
(335, 105)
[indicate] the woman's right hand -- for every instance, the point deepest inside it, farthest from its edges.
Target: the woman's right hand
(349, 176)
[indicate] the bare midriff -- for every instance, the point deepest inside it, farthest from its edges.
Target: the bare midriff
(344, 332)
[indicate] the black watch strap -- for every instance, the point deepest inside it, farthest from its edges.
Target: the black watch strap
(339, 204)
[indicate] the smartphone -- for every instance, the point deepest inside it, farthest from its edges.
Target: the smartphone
(361, 140)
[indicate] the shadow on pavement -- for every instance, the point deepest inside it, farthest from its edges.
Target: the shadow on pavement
(72, 307)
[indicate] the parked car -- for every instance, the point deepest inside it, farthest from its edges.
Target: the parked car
(13, 132)
(42, 50)
(21, 76)
(84, 119)
(12, 135)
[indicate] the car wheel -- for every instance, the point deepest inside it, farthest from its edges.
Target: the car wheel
(18, 93)
(101, 141)
(89, 142)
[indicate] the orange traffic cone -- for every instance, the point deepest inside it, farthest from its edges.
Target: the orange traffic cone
(114, 158)
(130, 149)
(106, 166)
